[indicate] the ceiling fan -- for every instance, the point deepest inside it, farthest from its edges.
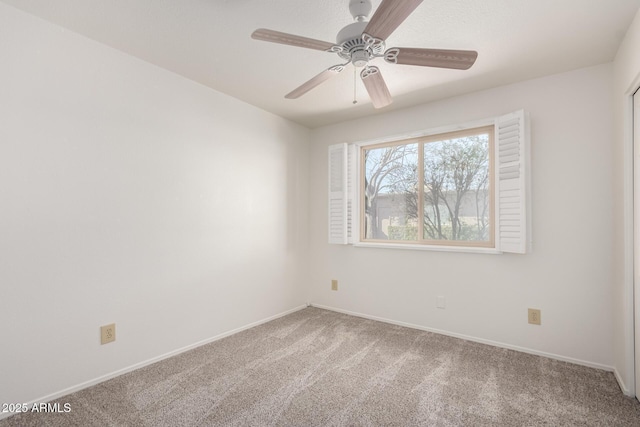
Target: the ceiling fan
(362, 41)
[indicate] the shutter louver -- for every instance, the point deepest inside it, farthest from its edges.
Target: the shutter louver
(512, 181)
(338, 194)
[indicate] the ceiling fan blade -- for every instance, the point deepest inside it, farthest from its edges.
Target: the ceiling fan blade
(376, 87)
(290, 39)
(389, 15)
(441, 58)
(320, 78)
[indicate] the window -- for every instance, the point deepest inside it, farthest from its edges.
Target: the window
(434, 190)
(463, 189)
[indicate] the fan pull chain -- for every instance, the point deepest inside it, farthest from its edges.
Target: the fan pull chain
(355, 81)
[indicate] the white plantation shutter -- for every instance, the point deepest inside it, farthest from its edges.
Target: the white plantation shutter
(352, 178)
(512, 182)
(342, 193)
(338, 194)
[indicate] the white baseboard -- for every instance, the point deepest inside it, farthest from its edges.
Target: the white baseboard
(626, 390)
(119, 372)
(474, 339)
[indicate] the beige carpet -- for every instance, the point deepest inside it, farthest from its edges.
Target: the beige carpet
(320, 368)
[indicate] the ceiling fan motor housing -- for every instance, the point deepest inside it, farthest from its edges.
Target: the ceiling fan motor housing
(350, 32)
(354, 49)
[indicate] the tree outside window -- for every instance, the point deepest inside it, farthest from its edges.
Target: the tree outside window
(434, 190)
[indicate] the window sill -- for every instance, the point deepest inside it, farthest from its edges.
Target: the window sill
(438, 248)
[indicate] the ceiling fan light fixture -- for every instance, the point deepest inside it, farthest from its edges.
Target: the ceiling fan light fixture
(360, 58)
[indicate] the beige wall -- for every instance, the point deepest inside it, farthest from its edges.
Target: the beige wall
(132, 195)
(626, 79)
(568, 275)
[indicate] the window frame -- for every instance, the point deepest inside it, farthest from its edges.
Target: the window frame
(487, 128)
(512, 189)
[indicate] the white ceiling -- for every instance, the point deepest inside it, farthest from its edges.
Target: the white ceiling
(209, 41)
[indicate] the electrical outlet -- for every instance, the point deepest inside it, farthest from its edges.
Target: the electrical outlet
(534, 316)
(107, 333)
(442, 302)
(334, 285)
